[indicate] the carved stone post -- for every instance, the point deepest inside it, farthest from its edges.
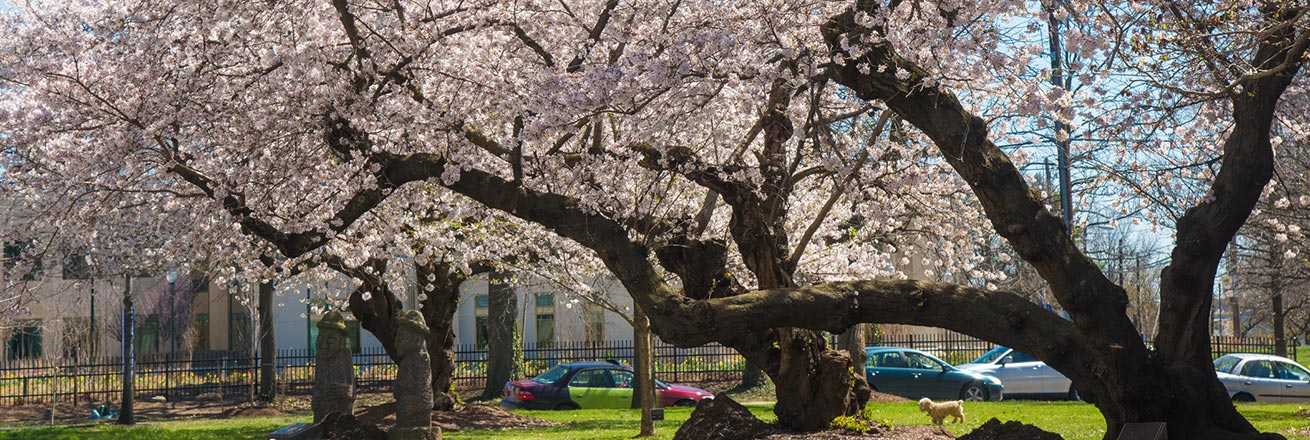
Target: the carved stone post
(334, 372)
(413, 390)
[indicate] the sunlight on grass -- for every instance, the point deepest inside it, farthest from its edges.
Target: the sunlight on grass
(1073, 420)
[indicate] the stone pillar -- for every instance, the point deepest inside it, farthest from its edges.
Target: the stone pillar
(412, 389)
(334, 372)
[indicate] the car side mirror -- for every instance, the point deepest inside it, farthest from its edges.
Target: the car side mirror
(1006, 360)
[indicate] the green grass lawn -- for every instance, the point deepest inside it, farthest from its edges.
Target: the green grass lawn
(1073, 420)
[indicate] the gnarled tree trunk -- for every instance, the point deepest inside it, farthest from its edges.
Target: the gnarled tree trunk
(504, 350)
(441, 285)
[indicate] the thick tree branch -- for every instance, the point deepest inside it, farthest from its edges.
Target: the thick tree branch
(1013, 208)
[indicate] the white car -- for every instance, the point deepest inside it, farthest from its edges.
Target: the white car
(1023, 375)
(1262, 377)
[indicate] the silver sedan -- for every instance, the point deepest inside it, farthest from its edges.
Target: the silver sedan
(1262, 377)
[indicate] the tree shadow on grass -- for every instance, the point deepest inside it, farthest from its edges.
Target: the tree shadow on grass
(253, 431)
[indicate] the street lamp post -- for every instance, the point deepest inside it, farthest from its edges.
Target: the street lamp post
(92, 274)
(172, 313)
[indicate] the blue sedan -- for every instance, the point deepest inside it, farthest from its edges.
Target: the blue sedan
(914, 374)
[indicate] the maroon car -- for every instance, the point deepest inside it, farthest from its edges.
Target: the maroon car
(591, 385)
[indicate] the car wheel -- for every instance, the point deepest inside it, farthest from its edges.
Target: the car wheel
(567, 407)
(1243, 397)
(685, 402)
(1073, 393)
(973, 392)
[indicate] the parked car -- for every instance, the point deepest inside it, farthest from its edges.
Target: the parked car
(1024, 375)
(914, 374)
(590, 385)
(1261, 377)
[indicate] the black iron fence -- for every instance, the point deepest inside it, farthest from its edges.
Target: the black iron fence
(233, 373)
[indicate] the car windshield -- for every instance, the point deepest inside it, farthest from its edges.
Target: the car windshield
(1225, 364)
(551, 375)
(991, 356)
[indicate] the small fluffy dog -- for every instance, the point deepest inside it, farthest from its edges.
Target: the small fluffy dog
(939, 411)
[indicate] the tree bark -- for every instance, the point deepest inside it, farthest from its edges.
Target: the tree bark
(643, 394)
(1128, 383)
(441, 285)
(127, 413)
(852, 341)
(267, 345)
(504, 351)
(1276, 305)
(752, 376)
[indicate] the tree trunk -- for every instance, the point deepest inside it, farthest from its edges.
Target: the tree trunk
(126, 415)
(1276, 302)
(643, 394)
(503, 351)
(267, 345)
(441, 286)
(852, 341)
(751, 376)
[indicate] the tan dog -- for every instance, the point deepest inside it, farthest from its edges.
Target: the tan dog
(939, 411)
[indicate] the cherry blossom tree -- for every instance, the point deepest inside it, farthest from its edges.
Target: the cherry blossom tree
(744, 148)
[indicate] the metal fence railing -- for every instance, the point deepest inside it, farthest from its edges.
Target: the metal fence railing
(186, 375)
(234, 373)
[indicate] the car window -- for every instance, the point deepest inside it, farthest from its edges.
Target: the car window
(1260, 369)
(597, 378)
(551, 375)
(921, 361)
(1292, 372)
(622, 379)
(1022, 357)
(992, 355)
(1225, 364)
(892, 359)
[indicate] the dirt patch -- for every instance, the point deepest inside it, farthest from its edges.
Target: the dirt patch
(1303, 412)
(995, 430)
(880, 433)
(722, 418)
(252, 411)
(472, 416)
(337, 426)
(886, 398)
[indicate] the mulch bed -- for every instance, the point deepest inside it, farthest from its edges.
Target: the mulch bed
(886, 398)
(473, 416)
(337, 426)
(995, 430)
(893, 433)
(252, 411)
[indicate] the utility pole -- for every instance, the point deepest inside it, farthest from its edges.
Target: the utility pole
(91, 270)
(1233, 288)
(1062, 133)
(172, 312)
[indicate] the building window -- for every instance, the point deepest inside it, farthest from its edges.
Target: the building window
(480, 302)
(201, 326)
(546, 300)
(75, 267)
(25, 340)
(545, 312)
(146, 336)
(352, 333)
(481, 332)
(77, 338)
(239, 332)
(545, 330)
(594, 332)
(13, 255)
